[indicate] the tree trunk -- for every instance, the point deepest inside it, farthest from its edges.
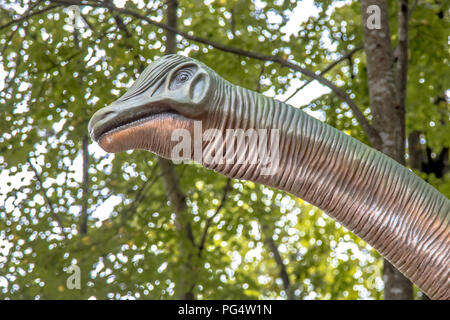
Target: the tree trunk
(387, 107)
(177, 201)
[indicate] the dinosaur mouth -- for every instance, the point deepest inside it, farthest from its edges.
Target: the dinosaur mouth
(132, 119)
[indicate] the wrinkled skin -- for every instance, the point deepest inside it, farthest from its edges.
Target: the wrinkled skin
(381, 201)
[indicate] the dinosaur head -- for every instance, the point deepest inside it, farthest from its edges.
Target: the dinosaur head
(171, 93)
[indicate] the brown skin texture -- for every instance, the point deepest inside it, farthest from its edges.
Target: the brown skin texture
(150, 135)
(378, 199)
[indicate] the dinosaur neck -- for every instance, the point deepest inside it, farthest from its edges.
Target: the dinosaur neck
(378, 199)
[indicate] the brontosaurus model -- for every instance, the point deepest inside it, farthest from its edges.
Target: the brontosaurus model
(381, 201)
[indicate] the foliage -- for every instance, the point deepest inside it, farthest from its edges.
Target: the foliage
(56, 76)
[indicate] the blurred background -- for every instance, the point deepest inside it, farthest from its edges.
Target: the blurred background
(78, 223)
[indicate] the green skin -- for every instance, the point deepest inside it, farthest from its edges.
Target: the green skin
(381, 201)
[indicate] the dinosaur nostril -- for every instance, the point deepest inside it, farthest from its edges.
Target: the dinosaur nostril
(107, 114)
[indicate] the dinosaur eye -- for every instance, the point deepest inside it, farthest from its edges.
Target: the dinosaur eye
(181, 77)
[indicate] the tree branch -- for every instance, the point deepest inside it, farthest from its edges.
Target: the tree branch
(27, 16)
(402, 55)
(279, 261)
(328, 68)
(225, 191)
(47, 199)
(11, 35)
(176, 198)
(148, 184)
(413, 6)
(85, 186)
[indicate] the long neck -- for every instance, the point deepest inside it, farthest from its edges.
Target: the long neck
(381, 201)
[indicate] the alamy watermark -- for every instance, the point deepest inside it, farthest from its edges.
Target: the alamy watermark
(74, 281)
(234, 146)
(374, 17)
(75, 19)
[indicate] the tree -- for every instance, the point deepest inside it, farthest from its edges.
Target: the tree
(387, 93)
(181, 231)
